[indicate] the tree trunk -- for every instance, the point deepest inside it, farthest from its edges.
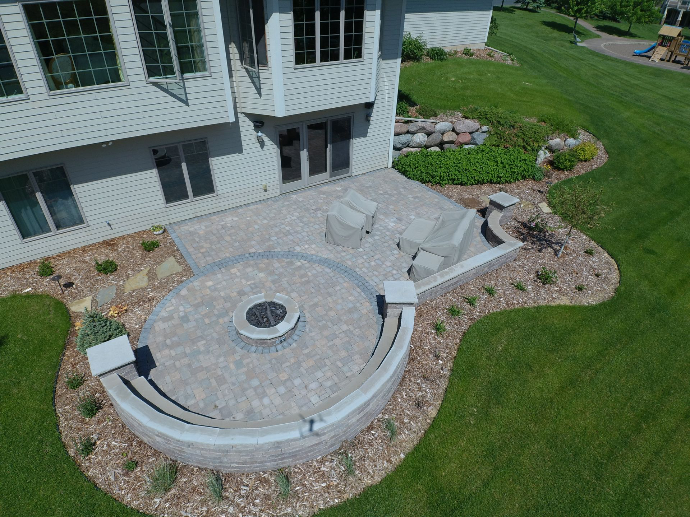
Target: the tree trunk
(629, 27)
(567, 237)
(502, 2)
(575, 26)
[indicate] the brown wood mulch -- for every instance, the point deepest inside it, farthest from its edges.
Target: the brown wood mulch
(322, 482)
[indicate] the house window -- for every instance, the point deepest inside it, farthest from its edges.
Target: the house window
(41, 202)
(252, 22)
(184, 171)
(171, 38)
(75, 43)
(10, 86)
(328, 30)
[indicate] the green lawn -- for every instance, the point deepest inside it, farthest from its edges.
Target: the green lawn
(37, 476)
(570, 410)
(647, 31)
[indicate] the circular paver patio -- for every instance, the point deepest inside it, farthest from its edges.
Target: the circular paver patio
(198, 365)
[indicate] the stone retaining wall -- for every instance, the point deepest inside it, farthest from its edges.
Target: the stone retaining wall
(253, 449)
(414, 134)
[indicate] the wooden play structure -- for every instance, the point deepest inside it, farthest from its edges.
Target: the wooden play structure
(670, 45)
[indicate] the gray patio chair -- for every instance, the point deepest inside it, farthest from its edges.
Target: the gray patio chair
(414, 235)
(344, 226)
(359, 203)
(451, 236)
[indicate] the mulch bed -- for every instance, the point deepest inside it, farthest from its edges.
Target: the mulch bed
(483, 54)
(322, 482)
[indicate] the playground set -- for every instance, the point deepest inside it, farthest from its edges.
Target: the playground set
(669, 46)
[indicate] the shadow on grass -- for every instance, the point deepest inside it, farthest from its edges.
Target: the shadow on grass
(565, 28)
(612, 30)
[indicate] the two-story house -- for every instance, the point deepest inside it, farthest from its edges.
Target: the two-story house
(119, 114)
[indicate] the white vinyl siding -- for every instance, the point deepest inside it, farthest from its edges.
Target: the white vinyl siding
(449, 23)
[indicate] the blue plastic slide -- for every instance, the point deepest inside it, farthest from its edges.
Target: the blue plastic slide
(640, 52)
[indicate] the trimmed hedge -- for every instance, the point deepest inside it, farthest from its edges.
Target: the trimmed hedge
(471, 166)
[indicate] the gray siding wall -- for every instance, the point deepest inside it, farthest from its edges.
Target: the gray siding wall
(45, 123)
(449, 23)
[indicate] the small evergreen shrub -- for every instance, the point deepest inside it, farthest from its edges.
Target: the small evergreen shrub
(45, 268)
(547, 276)
(519, 286)
(454, 311)
(413, 48)
(283, 482)
(589, 251)
(106, 267)
(214, 483)
(493, 30)
(565, 160)
(150, 245)
(402, 109)
(389, 425)
(425, 111)
(74, 380)
(162, 478)
(97, 329)
(586, 151)
(471, 300)
(348, 464)
(472, 166)
(439, 327)
(467, 52)
(85, 446)
(490, 290)
(130, 465)
(437, 54)
(88, 406)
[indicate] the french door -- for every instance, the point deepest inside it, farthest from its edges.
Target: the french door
(315, 151)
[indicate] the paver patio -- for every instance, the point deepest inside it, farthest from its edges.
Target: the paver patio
(196, 362)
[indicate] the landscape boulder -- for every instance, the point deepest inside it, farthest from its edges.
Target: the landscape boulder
(443, 127)
(478, 138)
(572, 142)
(434, 148)
(408, 150)
(466, 126)
(418, 140)
(400, 128)
(401, 141)
(463, 139)
(556, 144)
(542, 155)
(449, 137)
(422, 127)
(484, 129)
(448, 147)
(433, 140)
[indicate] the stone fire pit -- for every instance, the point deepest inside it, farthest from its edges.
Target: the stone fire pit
(266, 319)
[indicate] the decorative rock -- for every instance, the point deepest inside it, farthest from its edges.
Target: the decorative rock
(137, 281)
(400, 128)
(167, 268)
(463, 139)
(542, 155)
(572, 142)
(556, 144)
(449, 137)
(395, 154)
(81, 305)
(470, 146)
(544, 207)
(484, 129)
(418, 140)
(443, 127)
(466, 126)
(408, 150)
(434, 148)
(478, 138)
(448, 147)
(433, 140)
(422, 127)
(105, 295)
(401, 141)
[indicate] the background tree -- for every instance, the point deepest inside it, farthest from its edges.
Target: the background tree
(580, 205)
(535, 5)
(634, 11)
(577, 9)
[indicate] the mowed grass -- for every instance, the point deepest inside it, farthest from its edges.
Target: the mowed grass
(37, 476)
(570, 411)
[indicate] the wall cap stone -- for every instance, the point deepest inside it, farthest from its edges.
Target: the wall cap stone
(110, 356)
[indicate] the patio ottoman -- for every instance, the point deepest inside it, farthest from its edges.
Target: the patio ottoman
(425, 264)
(415, 234)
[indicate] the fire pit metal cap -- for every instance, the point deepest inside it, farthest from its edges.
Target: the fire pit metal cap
(244, 328)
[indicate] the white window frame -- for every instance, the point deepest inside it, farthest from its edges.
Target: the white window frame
(39, 62)
(317, 32)
(42, 204)
(184, 171)
(24, 95)
(179, 76)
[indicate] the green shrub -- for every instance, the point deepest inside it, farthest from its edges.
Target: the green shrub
(74, 380)
(589, 251)
(547, 276)
(389, 425)
(493, 30)
(490, 290)
(162, 478)
(454, 311)
(519, 286)
(439, 327)
(97, 329)
(130, 465)
(560, 124)
(88, 406)
(85, 446)
(472, 166)
(467, 52)
(150, 245)
(283, 482)
(402, 109)
(565, 160)
(471, 300)
(579, 287)
(509, 129)
(106, 267)
(437, 54)
(348, 463)
(425, 111)
(45, 268)
(413, 49)
(215, 486)
(586, 151)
